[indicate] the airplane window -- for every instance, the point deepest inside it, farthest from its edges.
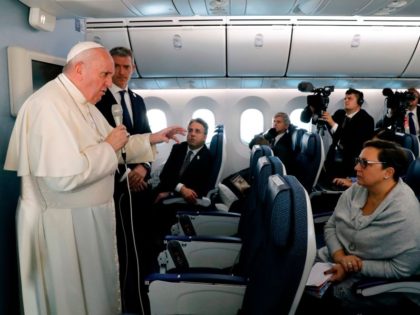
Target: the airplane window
(157, 119)
(295, 120)
(208, 116)
(252, 123)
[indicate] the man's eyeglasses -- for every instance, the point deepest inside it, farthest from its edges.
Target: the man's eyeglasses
(364, 163)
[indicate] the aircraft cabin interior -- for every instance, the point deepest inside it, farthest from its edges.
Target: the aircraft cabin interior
(234, 63)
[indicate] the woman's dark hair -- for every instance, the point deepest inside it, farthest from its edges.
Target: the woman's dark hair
(391, 154)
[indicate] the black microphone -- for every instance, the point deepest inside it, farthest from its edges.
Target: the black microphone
(387, 92)
(305, 87)
(117, 113)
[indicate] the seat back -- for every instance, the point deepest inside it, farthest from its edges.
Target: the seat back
(218, 152)
(279, 277)
(408, 141)
(251, 221)
(257, 152)
(413, 177)
(309, 160)
(296, 136)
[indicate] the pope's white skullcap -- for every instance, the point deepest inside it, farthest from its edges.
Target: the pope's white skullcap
(81, 47)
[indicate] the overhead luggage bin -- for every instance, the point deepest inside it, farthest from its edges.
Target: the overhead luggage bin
(179, 51)
(110, 34)
(351, 50)
(258, 50)
(413, 68)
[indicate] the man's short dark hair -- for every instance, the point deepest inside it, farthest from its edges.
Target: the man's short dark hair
(201, 122)
(359, 95)
(121, 52)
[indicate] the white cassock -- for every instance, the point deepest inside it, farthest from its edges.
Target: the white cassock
(65, 218)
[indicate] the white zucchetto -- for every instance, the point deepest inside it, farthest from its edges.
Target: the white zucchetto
(81, 47)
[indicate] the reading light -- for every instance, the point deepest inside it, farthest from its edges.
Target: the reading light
(41, 20)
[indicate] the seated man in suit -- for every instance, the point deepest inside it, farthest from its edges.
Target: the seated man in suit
(187, 170)
(186, 173)
(279, 139)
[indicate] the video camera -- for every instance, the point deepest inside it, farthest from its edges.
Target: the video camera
(398, 103)
(317, 103)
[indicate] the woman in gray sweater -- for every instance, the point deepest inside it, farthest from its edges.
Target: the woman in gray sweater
(375, 228)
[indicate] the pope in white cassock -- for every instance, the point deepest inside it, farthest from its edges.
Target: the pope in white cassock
(66, 155)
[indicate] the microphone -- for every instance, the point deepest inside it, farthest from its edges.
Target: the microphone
(305, 87)
(387, 92)
(117, 113)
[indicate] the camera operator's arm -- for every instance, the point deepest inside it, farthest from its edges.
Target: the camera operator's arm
(326, 116)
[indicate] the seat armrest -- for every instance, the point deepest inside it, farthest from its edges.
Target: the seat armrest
(204, 201)
(373, 286)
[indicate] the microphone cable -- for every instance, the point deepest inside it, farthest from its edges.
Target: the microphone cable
(136, 254)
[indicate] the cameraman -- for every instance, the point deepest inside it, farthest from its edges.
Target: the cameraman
(411, 118)
(350, 128)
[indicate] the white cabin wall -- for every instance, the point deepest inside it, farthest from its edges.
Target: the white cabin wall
(16, 31)
(228, 104)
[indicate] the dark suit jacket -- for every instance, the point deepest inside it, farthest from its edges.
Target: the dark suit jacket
(391, 121)
(356, 131)
(140, 121)
(196, 176)
(282, 149)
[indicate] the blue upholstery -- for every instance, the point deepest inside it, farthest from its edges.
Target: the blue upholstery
(413, 177)
(218, 153)
(277, 278)
(288, 254)
(257, 152)
(296, 139)
(408, 141)
(204, 223)
(309, 160)
(251, 231)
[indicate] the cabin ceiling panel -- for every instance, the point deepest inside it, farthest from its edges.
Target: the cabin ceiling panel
(132, 8)
(351, 51)
(99, 8)
(151, 7)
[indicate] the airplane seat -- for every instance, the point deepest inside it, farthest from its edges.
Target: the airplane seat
(217, 150)
(289, 245)
(309, 160)
(296, 136)
(218, 222)
(412, 177)
(223, 252)
(408, 141)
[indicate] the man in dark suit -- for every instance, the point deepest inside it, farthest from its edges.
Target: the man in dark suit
(190, 181)
(186, 173)
(134, 109)
(279, 139)
(350, 128)
(139, 198)
(404, 120)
